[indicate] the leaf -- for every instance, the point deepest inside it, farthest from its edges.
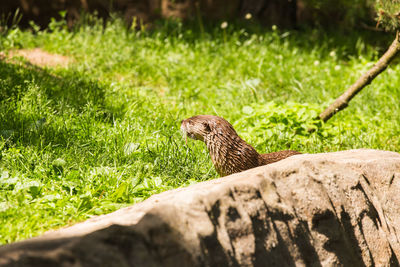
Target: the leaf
(253, 82)
(120, 192)
(129, 148)
(26, 185)
(51, 197)
(247, 110)
(157, 181)
(10, 181)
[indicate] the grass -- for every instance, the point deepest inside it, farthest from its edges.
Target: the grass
(104, 132)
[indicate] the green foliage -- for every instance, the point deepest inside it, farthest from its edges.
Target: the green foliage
(9, 22)
(289, 117)
(388, 14)
(287, 125)
(103, 133)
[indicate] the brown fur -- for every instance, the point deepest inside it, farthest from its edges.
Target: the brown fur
(229, 153)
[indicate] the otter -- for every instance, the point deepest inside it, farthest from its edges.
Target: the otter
(229, 153)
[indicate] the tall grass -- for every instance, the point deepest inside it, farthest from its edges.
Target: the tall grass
(103, 133)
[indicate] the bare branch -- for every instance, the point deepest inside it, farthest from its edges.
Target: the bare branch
(343, 101)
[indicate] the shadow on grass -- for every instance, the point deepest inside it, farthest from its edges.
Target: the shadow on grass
(30, 95)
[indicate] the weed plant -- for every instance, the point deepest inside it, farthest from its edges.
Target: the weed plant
(103, 133)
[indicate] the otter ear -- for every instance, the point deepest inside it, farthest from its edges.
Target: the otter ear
(207, 126)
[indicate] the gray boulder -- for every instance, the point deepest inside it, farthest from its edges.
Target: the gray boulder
(332, 209)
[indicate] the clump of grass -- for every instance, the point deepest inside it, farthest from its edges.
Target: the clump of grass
(104, 132)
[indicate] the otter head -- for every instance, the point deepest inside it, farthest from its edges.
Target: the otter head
(200, 127)
(229, 153)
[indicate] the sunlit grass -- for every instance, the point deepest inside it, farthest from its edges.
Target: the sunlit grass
(104, 132)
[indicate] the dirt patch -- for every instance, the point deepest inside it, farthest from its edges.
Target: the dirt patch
(39, 57)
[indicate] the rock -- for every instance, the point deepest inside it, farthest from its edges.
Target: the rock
(333, 209)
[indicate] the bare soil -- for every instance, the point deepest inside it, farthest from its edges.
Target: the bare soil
(39, 57)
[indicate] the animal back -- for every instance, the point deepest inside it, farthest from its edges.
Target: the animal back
(277, 156)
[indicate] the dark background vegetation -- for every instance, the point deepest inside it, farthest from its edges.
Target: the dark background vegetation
(283, 13)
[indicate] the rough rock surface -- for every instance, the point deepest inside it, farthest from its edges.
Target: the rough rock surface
(334, 209)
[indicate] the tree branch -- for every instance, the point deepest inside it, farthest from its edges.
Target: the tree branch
(343, 101)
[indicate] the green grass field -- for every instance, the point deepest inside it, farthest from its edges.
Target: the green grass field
(103, 133)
